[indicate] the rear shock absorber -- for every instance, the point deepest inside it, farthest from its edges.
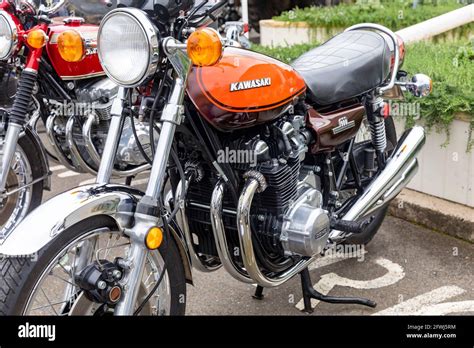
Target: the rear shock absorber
(379, 138)
(23, 98)
(377, 128)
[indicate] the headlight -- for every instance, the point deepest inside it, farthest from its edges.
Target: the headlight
(128, 47)
(8, 36)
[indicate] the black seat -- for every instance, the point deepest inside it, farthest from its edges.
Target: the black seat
(346, 66)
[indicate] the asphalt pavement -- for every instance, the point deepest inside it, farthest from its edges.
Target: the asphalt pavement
(406, 269)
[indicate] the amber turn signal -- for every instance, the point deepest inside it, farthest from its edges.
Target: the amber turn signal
(205, 47)
(154, 238)
(71, 46)
(36, 38)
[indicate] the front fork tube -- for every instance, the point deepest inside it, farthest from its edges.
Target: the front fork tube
(16, 121)
(8, 150)
(147, 212)
(136, 257)
(113, 138)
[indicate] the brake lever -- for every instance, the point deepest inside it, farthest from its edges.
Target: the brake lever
(209, 13)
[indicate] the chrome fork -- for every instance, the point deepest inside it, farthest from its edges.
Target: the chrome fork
(147, 214)
(7, 152)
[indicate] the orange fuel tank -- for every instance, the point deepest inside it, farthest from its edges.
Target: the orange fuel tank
(244, 89)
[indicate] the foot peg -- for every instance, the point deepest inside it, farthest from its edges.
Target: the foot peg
(349, 226)
(309, 292)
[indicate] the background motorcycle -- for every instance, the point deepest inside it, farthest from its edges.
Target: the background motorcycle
(62, 84)
(309, 184)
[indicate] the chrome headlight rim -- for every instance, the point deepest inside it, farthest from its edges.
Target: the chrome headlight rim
(13, 33)
(152, 36)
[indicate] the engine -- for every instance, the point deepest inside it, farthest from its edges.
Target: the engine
(78, 130)
(287, 217)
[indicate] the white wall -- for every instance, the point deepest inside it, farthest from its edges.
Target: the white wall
(446, 172)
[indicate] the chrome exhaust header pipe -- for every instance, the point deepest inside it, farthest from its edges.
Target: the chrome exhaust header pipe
(95, 157)
(220, 238)
(196, 261)
(75, 153)
(256, 182)
(400, 169)
(50, 122)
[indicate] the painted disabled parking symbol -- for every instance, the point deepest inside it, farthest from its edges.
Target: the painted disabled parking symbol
(429, 303)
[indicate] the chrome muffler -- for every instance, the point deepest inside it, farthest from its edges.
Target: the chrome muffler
(400, 169)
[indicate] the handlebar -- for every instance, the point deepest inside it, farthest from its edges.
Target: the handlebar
(208, 16)
(52, 10)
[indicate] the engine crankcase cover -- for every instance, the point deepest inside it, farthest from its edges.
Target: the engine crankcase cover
(306, 226)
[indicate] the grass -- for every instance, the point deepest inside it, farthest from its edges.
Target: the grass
(394, 14)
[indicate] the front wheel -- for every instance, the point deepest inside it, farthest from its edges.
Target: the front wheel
(49, 283)
(21, 199)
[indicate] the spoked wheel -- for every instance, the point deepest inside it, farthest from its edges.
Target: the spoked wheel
(50, 286)
(363, 138)
(20, 199)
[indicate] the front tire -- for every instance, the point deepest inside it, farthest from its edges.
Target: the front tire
(21, 277)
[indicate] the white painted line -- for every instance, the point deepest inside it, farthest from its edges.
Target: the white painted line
(448, 308)
(329, 260)
(425, 303)
(68, 174)
(56, 168)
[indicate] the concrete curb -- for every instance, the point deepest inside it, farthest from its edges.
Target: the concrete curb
(454, 219)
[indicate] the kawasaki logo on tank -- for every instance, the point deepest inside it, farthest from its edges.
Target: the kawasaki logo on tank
(252, 84)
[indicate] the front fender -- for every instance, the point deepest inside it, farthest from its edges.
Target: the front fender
(55, 216)
(52, 218)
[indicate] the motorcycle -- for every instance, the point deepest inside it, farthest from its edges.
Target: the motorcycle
(260, 168)
(62, 84)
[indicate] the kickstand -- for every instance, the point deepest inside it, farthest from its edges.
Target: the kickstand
(258, 293)
(309, 292)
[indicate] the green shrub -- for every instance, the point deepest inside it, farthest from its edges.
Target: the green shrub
(450, 65)
(394, 14)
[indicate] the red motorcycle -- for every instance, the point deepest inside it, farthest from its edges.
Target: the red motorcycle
(260, 168)
(53, 67)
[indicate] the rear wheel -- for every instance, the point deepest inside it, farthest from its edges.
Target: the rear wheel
(48, 285)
